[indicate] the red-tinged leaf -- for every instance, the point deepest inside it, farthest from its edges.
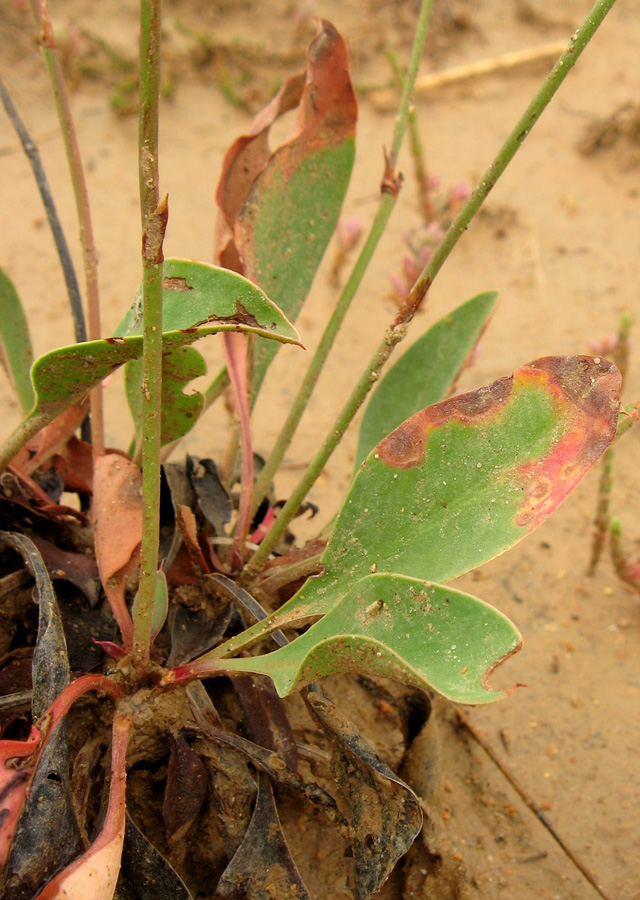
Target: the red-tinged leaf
(74, 462)
(16, 772)
(460, 482)
(283, 222)
(235, 351)
(117, 518)
(95, 874)
(185, 790)
(245, 159)
(52, 438)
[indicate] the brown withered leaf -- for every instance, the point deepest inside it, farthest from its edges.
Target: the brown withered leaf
(47, 836)
(185, 789)
(244, 161)
(117, 523)
(384, 813)
(263, 867)
(194, 632)
(267, 720)
(144, 873)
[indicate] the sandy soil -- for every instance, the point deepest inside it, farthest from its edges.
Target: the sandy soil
(559, 240)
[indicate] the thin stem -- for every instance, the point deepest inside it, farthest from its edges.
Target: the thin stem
(76, 170)
(389, 193)
(154, 213)
(33, 155)
(417, 152)
(398, 328)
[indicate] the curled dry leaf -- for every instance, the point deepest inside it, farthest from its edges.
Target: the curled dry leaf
(117, 523)
(262, 867)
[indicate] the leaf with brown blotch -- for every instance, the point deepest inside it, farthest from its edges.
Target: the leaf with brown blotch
(117, 523)
(278, 211)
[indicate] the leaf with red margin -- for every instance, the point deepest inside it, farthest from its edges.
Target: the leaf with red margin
(293, 206)
(95, 874)
(52, 438)
(244, 160)
(461, 481)
(14, 785)
(117, 523)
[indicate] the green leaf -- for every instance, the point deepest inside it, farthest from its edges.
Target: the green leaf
(200, 300)
(197, 294)
(424, 373)
(180, 411)
(426, 635)
(160, 605)
(293, 207)
(16, 354)
(460, 482)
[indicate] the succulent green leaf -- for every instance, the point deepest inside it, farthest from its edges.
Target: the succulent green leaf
(293, 207)
(461, 481)
(199, 300)
(423, 375)
(426, 635)
(180, 411)
(160, 605)
(16, 354)
(196, 294)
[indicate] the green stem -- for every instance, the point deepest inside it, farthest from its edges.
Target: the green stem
(398, 328)
(390, 189)
(54, 68)
(154, 214)
(417, 153)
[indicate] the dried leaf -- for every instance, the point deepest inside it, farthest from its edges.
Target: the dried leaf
(193, 632)
(185, 789)
(263, 868)
(267, 720)
(117, 523)
(47, 835)
(213, 498)
(384, 813)
(76, 568)
(144, 873)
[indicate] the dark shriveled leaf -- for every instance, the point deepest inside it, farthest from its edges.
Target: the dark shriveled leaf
(384, 813)
(185, 790)
(144, 873)
(263, 867)
(47, 836)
